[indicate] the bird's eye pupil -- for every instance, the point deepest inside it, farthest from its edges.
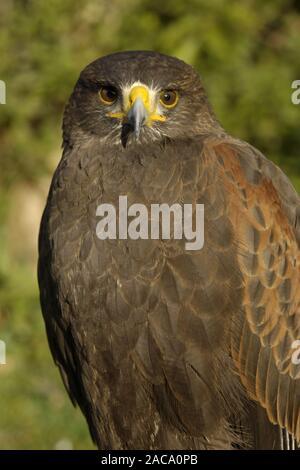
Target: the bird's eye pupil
(108, 94)
(169, 98)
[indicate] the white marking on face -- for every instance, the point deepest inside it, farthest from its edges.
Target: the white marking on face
(153, 95)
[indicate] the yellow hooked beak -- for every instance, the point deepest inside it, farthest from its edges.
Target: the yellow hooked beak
(138, 110)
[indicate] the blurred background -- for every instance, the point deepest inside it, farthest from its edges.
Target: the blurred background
(248, 54)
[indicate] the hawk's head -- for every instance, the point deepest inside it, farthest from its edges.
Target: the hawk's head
(137, 96)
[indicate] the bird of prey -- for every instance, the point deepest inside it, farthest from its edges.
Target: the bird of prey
(163, 347)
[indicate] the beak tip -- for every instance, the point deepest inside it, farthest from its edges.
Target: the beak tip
(137, 117)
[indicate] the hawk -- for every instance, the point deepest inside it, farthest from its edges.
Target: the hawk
(161, 347)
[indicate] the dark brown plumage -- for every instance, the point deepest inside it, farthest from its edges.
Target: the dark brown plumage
(163, 347)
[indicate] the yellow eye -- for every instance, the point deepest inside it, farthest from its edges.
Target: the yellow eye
(169, 98)
(108, 94)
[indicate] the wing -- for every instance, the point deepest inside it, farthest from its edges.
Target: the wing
(54, 263)
(264, 210)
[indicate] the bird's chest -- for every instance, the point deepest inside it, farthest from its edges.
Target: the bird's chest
(119, 265)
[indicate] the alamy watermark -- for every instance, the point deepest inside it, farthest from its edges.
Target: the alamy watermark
(175, 221)
(2, 343)
(296, 94)
(2, 92)
(2, 352)
(296, 354)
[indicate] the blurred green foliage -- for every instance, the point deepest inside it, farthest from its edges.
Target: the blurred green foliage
(248, 54)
